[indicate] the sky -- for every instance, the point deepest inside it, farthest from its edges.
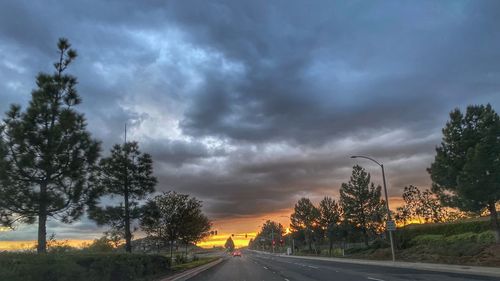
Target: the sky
(251, 105)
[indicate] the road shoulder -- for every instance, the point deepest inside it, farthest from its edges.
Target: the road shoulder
(187, 274)
(448, 268)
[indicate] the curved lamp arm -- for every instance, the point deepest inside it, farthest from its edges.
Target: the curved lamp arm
(366, 157)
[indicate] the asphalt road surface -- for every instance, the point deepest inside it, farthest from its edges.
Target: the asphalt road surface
(253, 266)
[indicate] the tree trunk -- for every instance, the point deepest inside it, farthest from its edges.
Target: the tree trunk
(171, 249)
(308, 240)
(128, 235)
(494, 221)
(331, 246)
(42, 221)
(365, 237)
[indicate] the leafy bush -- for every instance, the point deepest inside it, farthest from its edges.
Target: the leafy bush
(428, 239)
(180, 259)
(405, 235)
(462, 238)
(79, 267)
(379, 244)
(487, 237)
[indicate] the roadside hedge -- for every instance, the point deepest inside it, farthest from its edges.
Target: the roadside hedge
(486, 237)
(80, 267)
(405, 235)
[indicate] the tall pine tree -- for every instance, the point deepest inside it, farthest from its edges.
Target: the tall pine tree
(329, 218)
(126, 173)
(305, 217)
(466, 169)
(46, 154)
(361, 203)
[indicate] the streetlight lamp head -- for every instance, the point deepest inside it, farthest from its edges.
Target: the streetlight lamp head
(354, 156)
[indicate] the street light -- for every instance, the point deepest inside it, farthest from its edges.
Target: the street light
(389, 220)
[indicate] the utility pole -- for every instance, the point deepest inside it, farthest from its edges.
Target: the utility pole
(390, 225)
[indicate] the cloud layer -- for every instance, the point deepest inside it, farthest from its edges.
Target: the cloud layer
(249, 105)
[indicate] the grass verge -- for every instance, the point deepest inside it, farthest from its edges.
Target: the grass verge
(193, 264)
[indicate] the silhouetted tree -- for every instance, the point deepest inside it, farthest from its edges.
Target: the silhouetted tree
(270, 231)
(196, 225)
(305, 217)
(422, 206)
(229, 245)
(329, 219)
(172, 216)
(126, 173)
(47, 156)
(466, 168)
(361, 203)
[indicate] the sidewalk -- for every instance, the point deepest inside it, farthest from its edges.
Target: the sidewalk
(449, 268)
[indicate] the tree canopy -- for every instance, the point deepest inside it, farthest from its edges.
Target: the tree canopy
(229, 245)
(305, 217)
(329, 218)
(128, 174)
(361, 203)
(466, 169)
(47, 156)
(172, 216)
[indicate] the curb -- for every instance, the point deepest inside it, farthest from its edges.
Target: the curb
(185, 275)
(448, 268)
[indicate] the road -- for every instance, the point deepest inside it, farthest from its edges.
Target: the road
(254, 266)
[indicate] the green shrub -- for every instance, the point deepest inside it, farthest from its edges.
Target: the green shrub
(79, 267)
(428, 239)
(462, 238)
(180, 259)
(487, 237)
(404, 236)
(379, 244)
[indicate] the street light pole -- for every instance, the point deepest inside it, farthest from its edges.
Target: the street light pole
(389, 218)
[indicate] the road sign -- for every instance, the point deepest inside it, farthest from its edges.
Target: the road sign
(391, 226)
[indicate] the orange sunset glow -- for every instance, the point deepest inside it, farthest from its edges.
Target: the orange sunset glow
(30, 245)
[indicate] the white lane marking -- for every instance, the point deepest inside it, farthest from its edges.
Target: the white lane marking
(375, 279)
(286, 279)
(315, 267)
(265, 267)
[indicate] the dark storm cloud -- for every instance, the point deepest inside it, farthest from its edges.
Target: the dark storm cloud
(251, 104)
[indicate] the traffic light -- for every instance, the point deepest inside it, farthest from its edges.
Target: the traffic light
(246, 236)
(215, 232)
(232, 234)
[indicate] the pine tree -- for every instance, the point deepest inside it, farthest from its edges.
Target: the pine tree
(47, 156)
(466, 169)
(305, 217)
(361, 203)
(229, 245)
(128, 174)
(329, 218)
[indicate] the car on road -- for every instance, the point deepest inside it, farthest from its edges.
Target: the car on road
(237, 253)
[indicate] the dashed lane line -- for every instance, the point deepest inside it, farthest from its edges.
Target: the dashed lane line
(375, 279)
(315, 267)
